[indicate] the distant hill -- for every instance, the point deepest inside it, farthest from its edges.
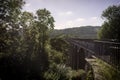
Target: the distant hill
(86, 32)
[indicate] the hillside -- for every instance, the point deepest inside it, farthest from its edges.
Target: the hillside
(86, 32)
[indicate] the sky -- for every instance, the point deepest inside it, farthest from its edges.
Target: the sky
(72, 13)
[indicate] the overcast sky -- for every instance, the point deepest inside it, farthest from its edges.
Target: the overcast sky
(72, 13)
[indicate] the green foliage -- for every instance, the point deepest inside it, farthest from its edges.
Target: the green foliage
(57, 72)
(59, 49)
(9, 11)
(26, 52)
(56, 57)
(107, 72)
(111, 26)
(45, 18)
(90, 75)
(105, 30)
(59, 44)
(61, 72)
(9, 8)
(83, 32)
(23, 38)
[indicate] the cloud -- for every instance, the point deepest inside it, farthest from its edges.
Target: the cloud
(69, 13)
(93, 21)
(27, 4)
(59, 26)
(80, 19)
(70, 24)
(65, 13)
(93, 18)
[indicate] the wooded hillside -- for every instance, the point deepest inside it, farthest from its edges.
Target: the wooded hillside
(86, 32)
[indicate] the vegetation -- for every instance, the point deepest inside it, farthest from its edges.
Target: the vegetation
(84, 32)
(26, 51)
(58, 70)
(111, 26)
(107, 72)
(90, 75)
(102, 71)
(61, 72)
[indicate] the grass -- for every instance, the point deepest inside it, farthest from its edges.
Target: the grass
(106, 71)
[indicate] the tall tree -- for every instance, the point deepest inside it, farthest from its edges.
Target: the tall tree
(9, 37)
(44, 24)
(9, 11)
(111, 27)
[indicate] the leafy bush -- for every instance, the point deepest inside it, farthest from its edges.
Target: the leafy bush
(108, 72)
(61, 72)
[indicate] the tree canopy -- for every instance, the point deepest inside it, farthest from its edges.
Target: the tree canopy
(9, 11)
(111, 26)
(26, 51)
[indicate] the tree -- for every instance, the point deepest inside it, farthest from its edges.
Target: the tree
(26, 32)
(9, 11)
(111, 26)
(34, 35)
(9, 38)
(44, 24)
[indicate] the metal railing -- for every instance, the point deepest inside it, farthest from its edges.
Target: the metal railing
(104, 50)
